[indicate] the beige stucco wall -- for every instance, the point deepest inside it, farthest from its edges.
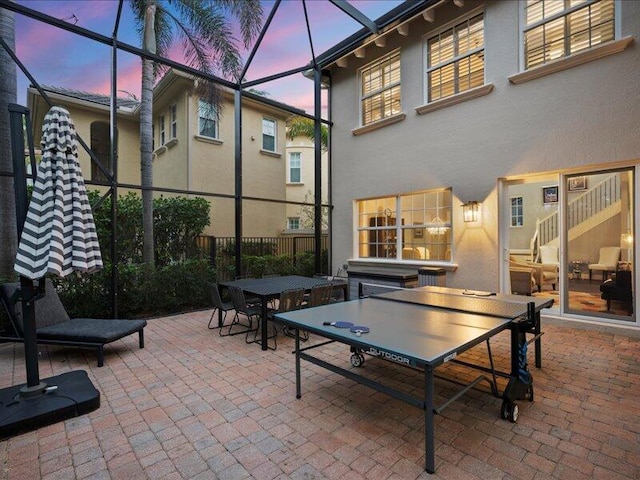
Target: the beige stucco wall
(83, 116)
(206, 165)
(296, 192)
(190, 162)
(584, 116)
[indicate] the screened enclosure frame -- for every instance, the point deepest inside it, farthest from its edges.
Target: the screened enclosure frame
(314, 69)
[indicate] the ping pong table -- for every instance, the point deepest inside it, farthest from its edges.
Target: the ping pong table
(423, 329)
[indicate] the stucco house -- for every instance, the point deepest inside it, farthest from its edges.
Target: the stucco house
(300, 180)
(529, 108)
(193, 148)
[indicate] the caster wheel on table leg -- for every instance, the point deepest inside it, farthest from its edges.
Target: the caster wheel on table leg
(357, 360)
(514, 413)
(504, 410)
(509, 411)
(529, 393)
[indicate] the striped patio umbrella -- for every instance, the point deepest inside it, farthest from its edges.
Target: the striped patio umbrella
(59, 235)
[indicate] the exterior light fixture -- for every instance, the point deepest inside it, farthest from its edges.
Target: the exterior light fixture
(470, 211)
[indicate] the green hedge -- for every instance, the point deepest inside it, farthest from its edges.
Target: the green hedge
(171, 289)
(177, 222)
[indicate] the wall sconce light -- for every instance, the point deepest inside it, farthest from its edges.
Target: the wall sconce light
(470, 211)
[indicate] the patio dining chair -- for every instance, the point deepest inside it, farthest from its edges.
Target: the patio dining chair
(251, 300)
(242, 309)
(218, 306)
(289, 301)
(319, 295)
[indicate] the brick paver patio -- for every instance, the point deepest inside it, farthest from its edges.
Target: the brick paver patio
(193, 405)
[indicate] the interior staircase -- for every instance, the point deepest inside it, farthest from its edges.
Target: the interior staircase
(585, 212)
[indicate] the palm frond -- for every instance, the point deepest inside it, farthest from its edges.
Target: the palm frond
(305, 127)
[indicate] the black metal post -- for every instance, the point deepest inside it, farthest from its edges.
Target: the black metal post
(238, 178)
(16, 114)
(113, 171)
(317, 133)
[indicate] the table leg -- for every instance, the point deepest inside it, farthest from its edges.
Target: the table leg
(429, 418)
(220, 312)
(263, 322)
(538, 343)
(298, 389)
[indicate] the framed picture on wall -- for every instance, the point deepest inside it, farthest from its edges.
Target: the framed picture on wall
(577, 184)
(418, 233)
(550, 194)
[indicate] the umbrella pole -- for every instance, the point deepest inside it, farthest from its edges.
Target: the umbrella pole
(34, 386)
(28, 294)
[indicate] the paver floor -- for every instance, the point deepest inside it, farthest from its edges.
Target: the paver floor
(193, 405)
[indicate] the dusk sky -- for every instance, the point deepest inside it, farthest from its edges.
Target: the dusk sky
(62, 59)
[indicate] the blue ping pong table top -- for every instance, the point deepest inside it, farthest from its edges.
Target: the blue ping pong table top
(422, 335)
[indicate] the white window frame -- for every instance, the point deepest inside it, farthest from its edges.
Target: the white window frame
(363, 97)
(516, 215)
(476, 51)
(173, 115)
(208, 112)
(275, 134)
(163, 138)
(524, 28)
(293, 223)
(292, 167)
(403, 232)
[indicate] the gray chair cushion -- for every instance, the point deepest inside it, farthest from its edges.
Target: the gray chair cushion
(90, 330)
(53, 322)
(49, 309)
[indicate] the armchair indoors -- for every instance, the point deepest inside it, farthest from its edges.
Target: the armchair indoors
(549, 266)
(618, 288)
(522, 280)
(607, 262)
(541, 275)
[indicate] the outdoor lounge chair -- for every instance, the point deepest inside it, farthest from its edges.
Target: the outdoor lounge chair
(53, 325)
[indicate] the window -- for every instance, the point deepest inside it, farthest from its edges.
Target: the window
(413, 226)
(162, 131)
(269, 134)
(455, 59)
(559, 28)
(101, 147)
(294, 167)
(517, 214)
(207, 120)
(174, 121)
(293, 223)
(380, 89)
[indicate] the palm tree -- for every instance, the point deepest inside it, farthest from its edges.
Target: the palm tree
(205, 30)
(8, 94)
(305, 127)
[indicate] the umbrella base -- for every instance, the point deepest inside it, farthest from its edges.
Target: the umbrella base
(54, 400)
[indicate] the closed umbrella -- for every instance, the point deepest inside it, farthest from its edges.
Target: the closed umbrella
(57, 237)
(59, 234)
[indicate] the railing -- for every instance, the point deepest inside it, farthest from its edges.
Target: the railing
(221, 250)
(599, 197)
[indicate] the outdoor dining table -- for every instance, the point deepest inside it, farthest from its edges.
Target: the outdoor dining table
(270, 288)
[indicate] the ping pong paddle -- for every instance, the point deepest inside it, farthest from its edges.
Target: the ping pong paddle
(339, 324)
(359, 329)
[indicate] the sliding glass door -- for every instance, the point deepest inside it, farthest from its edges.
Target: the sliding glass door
(598, 216)
(571, 238)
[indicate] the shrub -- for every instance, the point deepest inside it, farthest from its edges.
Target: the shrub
(170, 289)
